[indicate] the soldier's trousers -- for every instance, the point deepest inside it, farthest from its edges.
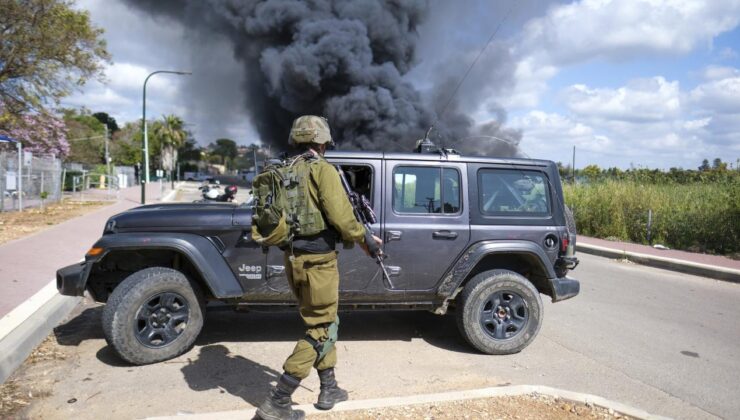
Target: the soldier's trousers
(314, 279)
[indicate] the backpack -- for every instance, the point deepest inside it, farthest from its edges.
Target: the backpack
(282, 204)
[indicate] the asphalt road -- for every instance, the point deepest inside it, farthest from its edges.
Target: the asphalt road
(665, 342)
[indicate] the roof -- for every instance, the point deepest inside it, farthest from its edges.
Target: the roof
(7, 139)
(435, 157)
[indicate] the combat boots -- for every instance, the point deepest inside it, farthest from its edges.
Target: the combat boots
(330, 393)
(278, 405)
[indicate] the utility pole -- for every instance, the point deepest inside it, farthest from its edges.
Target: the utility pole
(107, 154)
(573, 167)
(254, 154)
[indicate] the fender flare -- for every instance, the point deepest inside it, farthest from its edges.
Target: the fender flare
(201, 252)
(477, 251)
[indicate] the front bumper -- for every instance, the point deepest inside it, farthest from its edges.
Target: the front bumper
(71, 280)
(564, 288)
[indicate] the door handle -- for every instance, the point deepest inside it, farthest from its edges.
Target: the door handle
(393, 235)
(444, 234)
(275, 271)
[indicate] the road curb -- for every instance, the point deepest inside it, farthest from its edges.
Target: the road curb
(687, 267)
(23, 328)
(26, 326)
(436, 398)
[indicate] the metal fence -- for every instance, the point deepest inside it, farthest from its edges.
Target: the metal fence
(39, 178)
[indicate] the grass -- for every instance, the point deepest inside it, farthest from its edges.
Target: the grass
(699, 217)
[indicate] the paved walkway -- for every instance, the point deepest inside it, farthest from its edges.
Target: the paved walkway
(30, 263)
(694, 257)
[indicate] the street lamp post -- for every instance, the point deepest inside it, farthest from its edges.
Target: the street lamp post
(145, 141)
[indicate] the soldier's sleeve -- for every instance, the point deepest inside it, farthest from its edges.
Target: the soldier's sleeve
(335, 204)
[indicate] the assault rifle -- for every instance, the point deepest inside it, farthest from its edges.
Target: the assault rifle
(365, 215)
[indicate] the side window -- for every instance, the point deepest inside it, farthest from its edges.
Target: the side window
(426, 190)
(360, 179)
(506, 192)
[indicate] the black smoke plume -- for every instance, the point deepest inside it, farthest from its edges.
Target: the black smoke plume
(345, 60)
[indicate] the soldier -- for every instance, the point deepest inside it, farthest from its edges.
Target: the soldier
(311, 265)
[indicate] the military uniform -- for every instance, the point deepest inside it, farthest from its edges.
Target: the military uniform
(320, 212)
(314, 277)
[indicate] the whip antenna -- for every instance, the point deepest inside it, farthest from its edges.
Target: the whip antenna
(467, 72)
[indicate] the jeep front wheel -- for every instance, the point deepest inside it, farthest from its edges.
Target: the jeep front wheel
(499, 312)
(155, 314)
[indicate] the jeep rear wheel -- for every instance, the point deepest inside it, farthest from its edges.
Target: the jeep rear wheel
(155, 314)
(499, 312)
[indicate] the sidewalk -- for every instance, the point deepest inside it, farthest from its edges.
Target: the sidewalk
(30, 263)
(714, 266)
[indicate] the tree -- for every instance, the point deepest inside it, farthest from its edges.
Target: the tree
(704, 165)
(85, 132)
(171, 136)
(47, 49)
(125, 147)
(41, 133)
(225, 149)
(592, 172)
(106, 119)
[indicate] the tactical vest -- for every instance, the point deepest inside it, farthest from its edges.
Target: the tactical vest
(282, 203)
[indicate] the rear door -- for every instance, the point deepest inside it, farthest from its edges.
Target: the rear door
(426, 223)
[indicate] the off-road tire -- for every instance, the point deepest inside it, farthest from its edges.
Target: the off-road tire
(119, 314)
(475, 296)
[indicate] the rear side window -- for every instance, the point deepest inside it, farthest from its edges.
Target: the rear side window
(505, 192)
(426, 189)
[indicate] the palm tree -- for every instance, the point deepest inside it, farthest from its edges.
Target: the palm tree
(171, 136)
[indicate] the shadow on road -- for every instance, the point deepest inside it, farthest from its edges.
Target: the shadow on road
(224, 326)
(439, 331)
(83, 326)
(217, 368)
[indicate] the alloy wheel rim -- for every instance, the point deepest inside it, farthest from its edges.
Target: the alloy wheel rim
(161, 319)
(504, 315)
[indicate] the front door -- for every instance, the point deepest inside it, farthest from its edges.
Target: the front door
(357, 272)
(426, 223)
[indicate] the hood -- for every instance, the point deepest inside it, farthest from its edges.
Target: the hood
(176, 215)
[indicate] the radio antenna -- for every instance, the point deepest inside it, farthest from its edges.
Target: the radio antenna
(467, 72)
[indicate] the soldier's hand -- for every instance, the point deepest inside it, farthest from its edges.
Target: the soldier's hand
(380, 244)
(378, 241)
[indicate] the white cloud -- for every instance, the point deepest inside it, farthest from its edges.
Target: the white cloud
(647, 121)
(613, 30)
(642, 99)
(544, 131)
(718, 96)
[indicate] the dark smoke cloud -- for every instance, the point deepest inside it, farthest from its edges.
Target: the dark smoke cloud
(346, 60)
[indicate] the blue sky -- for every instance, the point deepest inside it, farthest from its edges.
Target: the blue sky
(628, 82)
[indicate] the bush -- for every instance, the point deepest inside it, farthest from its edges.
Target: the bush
(702, 217)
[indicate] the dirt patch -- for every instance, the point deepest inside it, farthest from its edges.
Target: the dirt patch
(14, 225)
(21, 389)
(532, 406)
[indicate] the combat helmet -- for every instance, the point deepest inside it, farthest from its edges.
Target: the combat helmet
(310, 129)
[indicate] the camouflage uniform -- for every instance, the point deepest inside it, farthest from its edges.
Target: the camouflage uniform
(311, 265)
(314, 278)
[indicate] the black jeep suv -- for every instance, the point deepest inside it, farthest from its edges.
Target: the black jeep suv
(485, 236)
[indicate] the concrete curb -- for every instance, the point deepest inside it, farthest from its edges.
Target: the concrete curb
(28, 324)
(436, 398)
(706, 270)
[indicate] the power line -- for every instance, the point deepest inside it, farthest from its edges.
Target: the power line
(490, 39)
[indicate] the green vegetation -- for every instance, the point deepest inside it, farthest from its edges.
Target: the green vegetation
(692, 210)
(48, 49)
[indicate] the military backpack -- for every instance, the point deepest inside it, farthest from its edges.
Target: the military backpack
(282, 204)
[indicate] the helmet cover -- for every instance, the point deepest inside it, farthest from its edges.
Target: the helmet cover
(310, 129)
